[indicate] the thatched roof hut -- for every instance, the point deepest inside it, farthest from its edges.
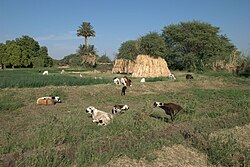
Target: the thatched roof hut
(147, 66)
(123, 66)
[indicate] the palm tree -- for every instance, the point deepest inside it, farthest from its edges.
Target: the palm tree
(86, 30)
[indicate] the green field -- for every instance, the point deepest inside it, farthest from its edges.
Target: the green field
(213, 128)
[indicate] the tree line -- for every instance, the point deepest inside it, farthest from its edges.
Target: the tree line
(85, 51)
(24, 52)
(194, 46)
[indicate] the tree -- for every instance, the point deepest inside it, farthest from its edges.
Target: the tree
(29, 49)
(2, 54)
(83, 50)
(72, 60)
(24, 52)
(13, 52)
(195, 45)
(104, 59)
(153, 44)
(86, 30)
(128, 50)
(75, 61)
(43, 54)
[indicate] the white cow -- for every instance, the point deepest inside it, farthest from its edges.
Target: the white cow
(171, 76)
(46, 73)
(117, 81)
(143, 80)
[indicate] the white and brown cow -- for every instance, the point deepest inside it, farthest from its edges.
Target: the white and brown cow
(99, 117)
(119, 108)
(170, 108)
(125, 81)
(48, 100)
(116, 81)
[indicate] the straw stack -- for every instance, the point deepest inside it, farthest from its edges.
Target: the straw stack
(123, 66)
(147, 66)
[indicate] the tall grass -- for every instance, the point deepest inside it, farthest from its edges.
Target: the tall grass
(31, 79)
(9, 103)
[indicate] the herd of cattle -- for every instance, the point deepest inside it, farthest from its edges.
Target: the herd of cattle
(104, 118)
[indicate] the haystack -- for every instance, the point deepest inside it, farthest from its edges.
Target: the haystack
(147, 66)
(89, 59)
(123, 66)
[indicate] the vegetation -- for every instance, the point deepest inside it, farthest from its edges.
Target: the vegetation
(84, 51)
(128, 50)
(194, 46)
(32, 78)
(86, 30)
(103, 59)
(153, 44)
(72, 60)
(64, 135)
(24, 52)
(244, 67)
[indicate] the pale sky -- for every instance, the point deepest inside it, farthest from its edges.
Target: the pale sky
(53, 23)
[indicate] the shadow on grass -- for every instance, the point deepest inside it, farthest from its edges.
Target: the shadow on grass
(164, 119)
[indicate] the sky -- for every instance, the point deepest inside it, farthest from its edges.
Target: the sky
(54, 23)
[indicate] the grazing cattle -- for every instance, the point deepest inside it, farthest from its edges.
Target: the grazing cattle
(81, 76)
(116, 81)
(62, 72)
(119, 108)
(143, 80)
(169, 108)
(99, 117)
(125, 81)
(48, 100)
(123, 90)
(171, 76)
(46, 73)
(189, 76)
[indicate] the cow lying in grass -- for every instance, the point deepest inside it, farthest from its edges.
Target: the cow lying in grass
(119, 108)
(99, 117)
(169, 108)
(48, 100)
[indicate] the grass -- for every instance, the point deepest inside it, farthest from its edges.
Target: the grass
(32, 78)
(64, 135)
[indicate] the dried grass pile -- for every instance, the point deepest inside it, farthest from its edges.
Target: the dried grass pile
(89, 59)
(123, 66)
(147, 66)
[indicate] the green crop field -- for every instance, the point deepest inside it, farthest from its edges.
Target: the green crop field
(212, 129)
